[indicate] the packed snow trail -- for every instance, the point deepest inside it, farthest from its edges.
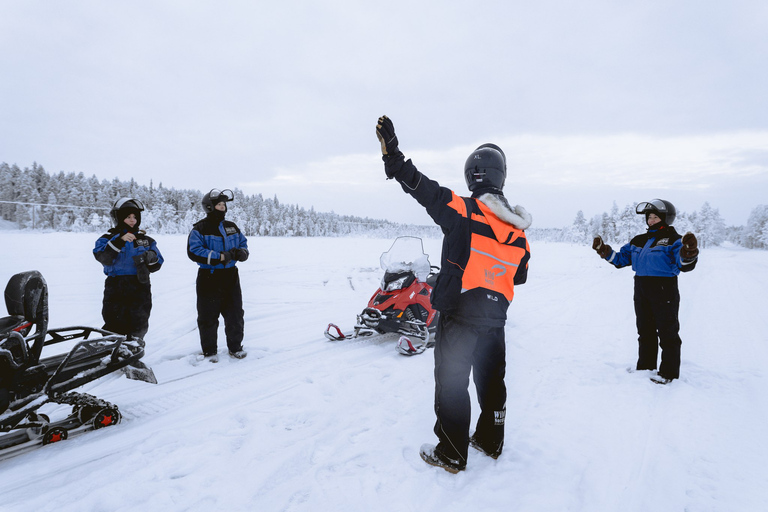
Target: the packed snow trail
(307, 424)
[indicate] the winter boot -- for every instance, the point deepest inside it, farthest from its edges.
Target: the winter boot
(212, 357)
(478, 444)
(238, 354)
(660, 379)
(434, 457)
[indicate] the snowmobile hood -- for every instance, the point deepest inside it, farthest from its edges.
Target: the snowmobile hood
(501, 216)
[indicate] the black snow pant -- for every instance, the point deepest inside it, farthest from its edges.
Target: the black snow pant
(459, 349)
(657, 301)
(218, 293)
(126, 306)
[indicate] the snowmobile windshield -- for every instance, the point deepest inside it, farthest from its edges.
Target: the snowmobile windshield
(406, 255)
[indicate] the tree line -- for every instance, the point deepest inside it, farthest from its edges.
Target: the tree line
(34, 199)
(620, 225)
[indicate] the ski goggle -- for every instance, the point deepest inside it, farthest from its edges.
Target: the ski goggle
(128, 202)
(218, 196)
(656, 205)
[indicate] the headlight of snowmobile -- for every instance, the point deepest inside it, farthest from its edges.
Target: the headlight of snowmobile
(396, 284)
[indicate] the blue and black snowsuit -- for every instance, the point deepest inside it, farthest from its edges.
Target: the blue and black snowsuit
(655, 258)
(218, 283)
(127, 299)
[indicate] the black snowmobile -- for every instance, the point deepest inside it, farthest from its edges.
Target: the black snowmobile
(29, 381)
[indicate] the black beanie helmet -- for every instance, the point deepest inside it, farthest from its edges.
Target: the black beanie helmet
(125, 206)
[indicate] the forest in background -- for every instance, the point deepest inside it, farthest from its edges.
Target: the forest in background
(34, 199)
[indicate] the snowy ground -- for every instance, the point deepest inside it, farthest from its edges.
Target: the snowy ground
(306, 424)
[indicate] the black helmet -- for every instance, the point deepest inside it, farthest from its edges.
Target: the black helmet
(215, 196)
(125, 206)
(485, 168)
(663, 209)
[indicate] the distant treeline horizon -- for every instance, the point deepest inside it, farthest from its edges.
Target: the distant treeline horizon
(34, 199)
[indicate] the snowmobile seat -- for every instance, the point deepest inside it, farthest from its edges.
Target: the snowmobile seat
(12, 323)
(14, 349)
(26, 298)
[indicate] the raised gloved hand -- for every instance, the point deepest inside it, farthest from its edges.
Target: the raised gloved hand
(385, 131)
(239, 254)
(603, 249)
(690, 249)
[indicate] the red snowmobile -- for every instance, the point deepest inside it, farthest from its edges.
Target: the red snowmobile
(29, 381)
(402, 302)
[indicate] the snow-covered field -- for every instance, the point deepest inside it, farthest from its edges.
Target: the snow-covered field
(306, 424)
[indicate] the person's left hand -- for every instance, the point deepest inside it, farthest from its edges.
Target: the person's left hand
(151, 257)
(690, 249)
(385, 131)
(239, 254)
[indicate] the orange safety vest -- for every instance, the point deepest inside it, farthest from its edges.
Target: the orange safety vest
(497, 249)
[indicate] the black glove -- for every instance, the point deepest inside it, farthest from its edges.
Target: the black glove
(385, 131)
(239, 254)
(690, 249)
(227, 257)
(151, 257)
(142, 272)
(603, 249)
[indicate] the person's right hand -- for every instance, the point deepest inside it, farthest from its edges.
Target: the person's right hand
(603, 249)
(385, 131)
(128, 237)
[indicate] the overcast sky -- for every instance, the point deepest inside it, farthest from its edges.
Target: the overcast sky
(593, 101)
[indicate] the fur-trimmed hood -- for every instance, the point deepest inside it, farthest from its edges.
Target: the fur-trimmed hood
(517, 216)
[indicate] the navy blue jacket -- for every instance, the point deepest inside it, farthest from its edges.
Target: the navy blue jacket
(655, 253)
(117, 255)
(208, 239)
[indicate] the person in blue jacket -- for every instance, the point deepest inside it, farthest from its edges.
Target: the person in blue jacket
(216, 245)
(128, 256)
(657, 257)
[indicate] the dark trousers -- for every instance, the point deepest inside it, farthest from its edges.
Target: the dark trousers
(657, 302)
(459, 349)
(126, 306)
(218, 293)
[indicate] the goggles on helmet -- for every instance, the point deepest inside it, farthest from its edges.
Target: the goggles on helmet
(655, 206)
(218, 196)
(128, 202)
